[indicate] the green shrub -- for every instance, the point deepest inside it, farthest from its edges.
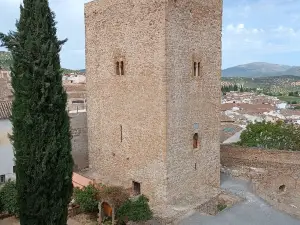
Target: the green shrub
(86, 198)
(272, 136)
(135, 210)
(8, 198)
(221, 207)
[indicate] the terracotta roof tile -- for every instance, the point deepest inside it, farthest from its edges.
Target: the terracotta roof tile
(5, 109)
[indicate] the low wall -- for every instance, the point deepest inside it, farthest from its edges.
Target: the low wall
(275, 174)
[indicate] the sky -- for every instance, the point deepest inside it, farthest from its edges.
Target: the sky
(253, 30)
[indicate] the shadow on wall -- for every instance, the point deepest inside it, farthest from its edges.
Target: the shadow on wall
(78, 122)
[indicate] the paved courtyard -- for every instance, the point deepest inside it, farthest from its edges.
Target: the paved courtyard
(253, 211)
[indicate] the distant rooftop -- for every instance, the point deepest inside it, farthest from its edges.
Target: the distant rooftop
(5, 109)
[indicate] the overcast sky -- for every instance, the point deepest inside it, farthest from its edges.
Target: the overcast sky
(253, 30)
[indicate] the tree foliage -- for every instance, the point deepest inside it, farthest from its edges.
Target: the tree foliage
(41, 130)
(235, 87)
(113, 194)
(272, 136)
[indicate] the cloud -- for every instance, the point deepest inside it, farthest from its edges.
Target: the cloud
(261, 29)
(70, 18)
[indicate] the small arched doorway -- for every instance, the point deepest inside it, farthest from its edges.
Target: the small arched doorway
(106, 212)
(107, 209)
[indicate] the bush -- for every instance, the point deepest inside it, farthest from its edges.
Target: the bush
(135, 210)
(86, 198)
(221, 207)
(114, 194)
(8, 198)
(271, 135)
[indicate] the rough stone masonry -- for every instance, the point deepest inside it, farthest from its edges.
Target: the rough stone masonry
(153, 84)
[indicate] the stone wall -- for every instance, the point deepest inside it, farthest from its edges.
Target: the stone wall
(141, 124)
(127, 113)
(5, 87)
(193, 35)
(275, 174)
(78, 124)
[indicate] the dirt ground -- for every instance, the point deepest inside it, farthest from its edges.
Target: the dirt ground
(77, 220)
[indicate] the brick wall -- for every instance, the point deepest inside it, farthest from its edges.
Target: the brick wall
(275, 174)
(80, 140)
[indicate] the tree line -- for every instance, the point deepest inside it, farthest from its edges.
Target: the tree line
(235, 87)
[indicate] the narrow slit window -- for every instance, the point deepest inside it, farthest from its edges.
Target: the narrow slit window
(118, 68)
(2, 179)
(195, 69)
(195, 140)
(121, 132)
(136, 188)
(198, 69)
(122, 68)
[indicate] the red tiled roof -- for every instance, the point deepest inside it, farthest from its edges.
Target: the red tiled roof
(245, 107)
(5, 109)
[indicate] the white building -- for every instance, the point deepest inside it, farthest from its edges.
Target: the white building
(75, 79)
(6, 153)
(281, 105)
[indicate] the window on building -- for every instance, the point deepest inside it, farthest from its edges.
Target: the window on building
(2, 179)
(136, 188)
(118, 68)
(197, 69)
(122, 68)
(121, 132)
(195, 140)
(78, 102)
(14, 169)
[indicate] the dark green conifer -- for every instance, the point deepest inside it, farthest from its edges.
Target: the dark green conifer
(41, 130)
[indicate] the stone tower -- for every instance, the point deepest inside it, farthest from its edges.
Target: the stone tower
(153, 81)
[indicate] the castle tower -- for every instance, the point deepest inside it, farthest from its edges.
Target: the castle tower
(153, 81)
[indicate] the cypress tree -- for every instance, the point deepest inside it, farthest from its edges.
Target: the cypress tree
(41, 130)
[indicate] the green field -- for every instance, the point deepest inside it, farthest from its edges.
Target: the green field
(289, 98)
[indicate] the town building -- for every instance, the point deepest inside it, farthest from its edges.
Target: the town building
(6, 150)
(153, 94)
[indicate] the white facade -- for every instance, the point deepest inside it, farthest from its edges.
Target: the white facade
(75, 79)
(6, 152)
(281, 106)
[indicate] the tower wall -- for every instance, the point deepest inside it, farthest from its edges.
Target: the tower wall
(134, 104)
(193, 34)
(141, 124)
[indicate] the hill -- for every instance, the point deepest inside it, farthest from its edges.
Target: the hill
(261, 69)
(6, 61)
(276, 83)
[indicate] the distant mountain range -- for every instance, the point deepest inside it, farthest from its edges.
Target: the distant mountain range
(250, 70)
(261, 69)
